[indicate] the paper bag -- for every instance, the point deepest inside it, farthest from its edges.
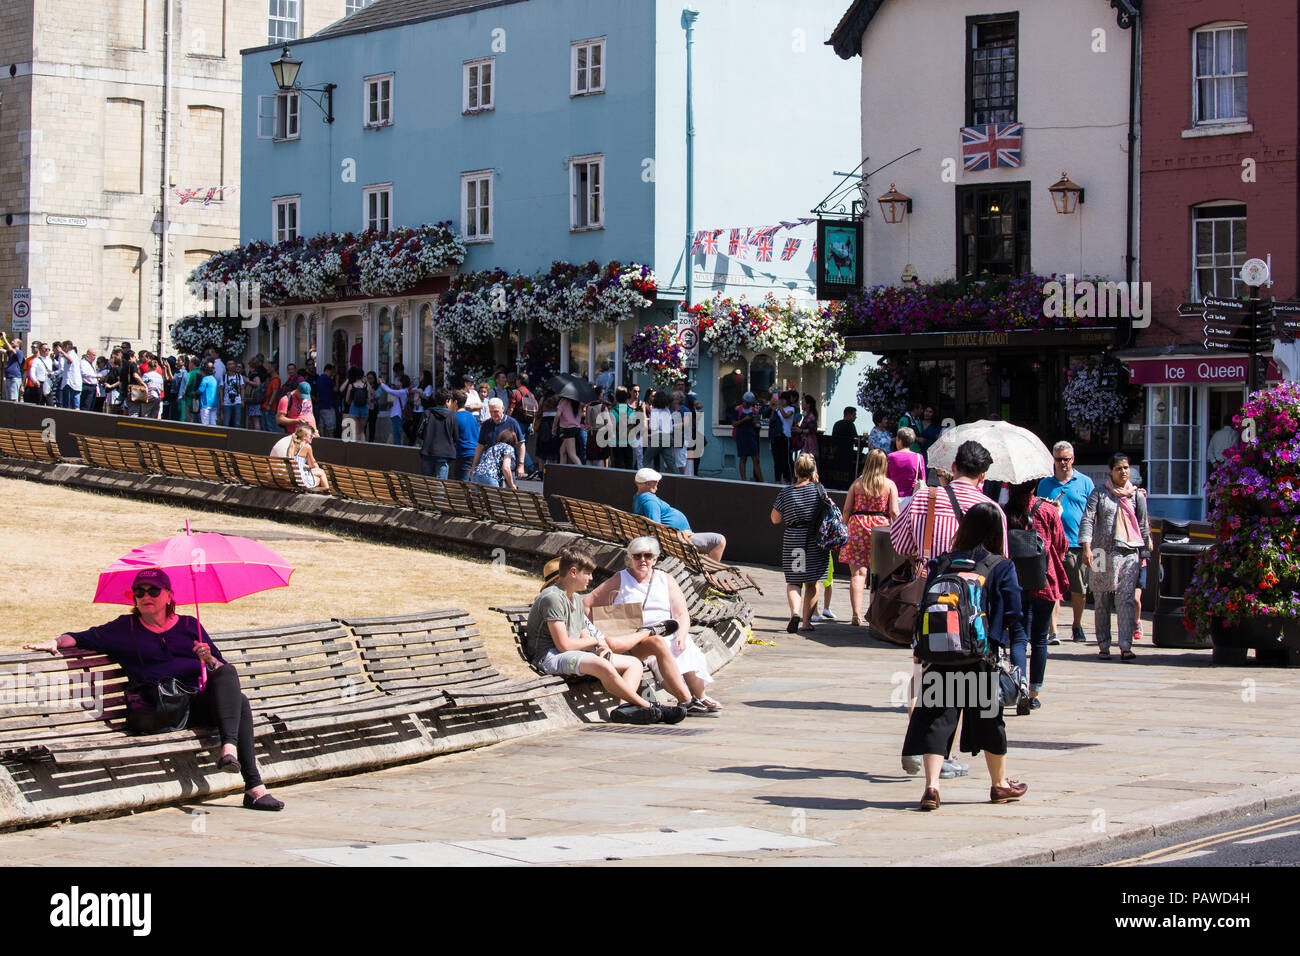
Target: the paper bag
(616, 620)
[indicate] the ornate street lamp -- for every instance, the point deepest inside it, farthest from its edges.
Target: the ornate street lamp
(894, 205)
(285, 70)
(1066, 195)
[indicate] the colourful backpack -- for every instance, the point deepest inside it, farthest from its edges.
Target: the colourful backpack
(952, 626)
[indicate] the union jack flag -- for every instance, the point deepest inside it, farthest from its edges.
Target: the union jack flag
(996, 144)
(764, 246)
(698, 245)
(734, 244)
(742, 249)
(804, 222)
(711, 242)
(791, 247)
(814, 256)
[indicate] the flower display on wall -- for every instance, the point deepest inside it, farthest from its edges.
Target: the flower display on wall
(476, 306)
(319, 268)
(998, 304)
(196, 333)
(883, 391)
(730, 327)
(655, 351)
(1253, 568)
(1091, 404)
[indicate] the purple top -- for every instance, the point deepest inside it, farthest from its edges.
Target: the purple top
(905, 469)
(146, 655)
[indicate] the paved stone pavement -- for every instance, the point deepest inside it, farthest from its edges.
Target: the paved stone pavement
(807, 746)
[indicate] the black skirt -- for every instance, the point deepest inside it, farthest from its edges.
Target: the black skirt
(948, 691)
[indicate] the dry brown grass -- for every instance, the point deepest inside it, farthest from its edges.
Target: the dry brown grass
(58, 540)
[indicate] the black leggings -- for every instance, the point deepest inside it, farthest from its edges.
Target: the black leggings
(222, 705)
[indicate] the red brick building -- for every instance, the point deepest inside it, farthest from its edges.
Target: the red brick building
(1220, 113)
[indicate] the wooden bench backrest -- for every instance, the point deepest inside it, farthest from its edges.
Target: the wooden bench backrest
(526, 509)
(263, 472)
(364, 484)
(440, 495)
(517, 615)
(204, 464)
(44, 697)
(632, 526)
(29, 445)
(590, 519)
(117, 454)
(429, 649)
(294, 663)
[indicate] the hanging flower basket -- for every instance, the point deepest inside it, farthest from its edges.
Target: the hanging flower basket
(1091, 403)
(883, 391)
(655, 351)
(195, 334)
(731, 327)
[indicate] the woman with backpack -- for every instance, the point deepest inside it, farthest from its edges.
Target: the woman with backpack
(1038, 547)
(803, 560)
(958, 643)
(356, 397)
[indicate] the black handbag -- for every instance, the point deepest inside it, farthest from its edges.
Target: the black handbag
(156, 707)
(1011, 684)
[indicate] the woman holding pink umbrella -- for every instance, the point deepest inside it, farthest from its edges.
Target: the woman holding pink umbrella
(153, 644)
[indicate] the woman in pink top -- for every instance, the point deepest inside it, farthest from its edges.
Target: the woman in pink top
(906, 468)
(568, 421)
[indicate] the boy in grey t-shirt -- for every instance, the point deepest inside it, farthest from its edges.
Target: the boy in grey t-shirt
(561, 642)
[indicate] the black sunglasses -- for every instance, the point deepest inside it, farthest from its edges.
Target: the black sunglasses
(140, 590)
(649, 555)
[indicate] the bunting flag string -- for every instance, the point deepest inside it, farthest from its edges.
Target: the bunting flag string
(761, 239)
(205, 194)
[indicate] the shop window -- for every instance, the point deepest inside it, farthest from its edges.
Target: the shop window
(1173, 442)
(587, 350)
(762, 375)
(993, 229)
(1218, 251)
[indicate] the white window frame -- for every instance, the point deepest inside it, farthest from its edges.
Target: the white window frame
(472, 81)
(284, 203)
(587, 88)
(378, 189)
(566, 339)
(1195, 405)
(355, 6)
(1237, 261)
(584, 202)
(292, 14)
(478, 178)
(1218, 120)
(377, 81)
(288, 117)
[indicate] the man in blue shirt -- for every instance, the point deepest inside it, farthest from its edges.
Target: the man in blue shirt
(468, 424)
(1069, 491)
(650, 505)
(323, 400)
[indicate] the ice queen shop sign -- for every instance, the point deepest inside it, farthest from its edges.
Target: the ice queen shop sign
(1188, 370)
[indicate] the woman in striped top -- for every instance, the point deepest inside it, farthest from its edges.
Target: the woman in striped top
(802, 560)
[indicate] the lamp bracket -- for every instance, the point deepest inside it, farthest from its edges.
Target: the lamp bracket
(325, 102)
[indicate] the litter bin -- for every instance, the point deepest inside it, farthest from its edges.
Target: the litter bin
(1178, 554)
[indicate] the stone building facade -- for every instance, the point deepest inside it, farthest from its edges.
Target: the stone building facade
(82, 191)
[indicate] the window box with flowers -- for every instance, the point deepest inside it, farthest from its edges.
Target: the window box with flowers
(1245, 590)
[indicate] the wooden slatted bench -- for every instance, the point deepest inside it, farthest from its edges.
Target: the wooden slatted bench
(28, 445)
(525, 509)
(590, 519)
(136, 457)
(723, 577)
(435, 651)
(263, 472)
(365, 484)
(202, 464)
(310, 676)
(440, 495)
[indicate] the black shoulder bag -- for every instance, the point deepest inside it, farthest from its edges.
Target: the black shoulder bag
(157, 707)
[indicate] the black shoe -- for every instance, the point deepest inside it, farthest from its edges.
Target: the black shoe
(228, 764)
(264, 802)
(1023, 707)
(634, 714)
(1076, 634)
(665, 628)
(671, 715)
(697, 708)
(793, 626)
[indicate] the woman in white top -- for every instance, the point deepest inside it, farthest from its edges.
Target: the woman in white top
(660, 598)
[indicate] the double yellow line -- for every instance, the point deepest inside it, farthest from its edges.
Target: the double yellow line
(1165, 853)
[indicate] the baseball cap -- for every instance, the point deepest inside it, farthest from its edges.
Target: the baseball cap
(747, 397)
(155, 576)
(646, 474)
(304, 389)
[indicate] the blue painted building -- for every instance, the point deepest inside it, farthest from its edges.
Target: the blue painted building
(556, 130)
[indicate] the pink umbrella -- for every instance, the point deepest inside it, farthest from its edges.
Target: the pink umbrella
(204, 568)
